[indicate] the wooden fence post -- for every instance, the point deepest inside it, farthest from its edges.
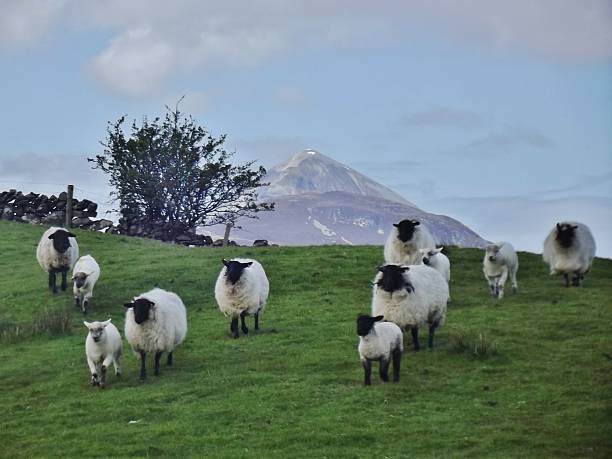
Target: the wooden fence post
(70, 192)
(228, 228)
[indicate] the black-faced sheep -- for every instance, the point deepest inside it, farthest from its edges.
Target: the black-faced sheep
(379, 341)
(404, 242)
(569, 248)
(57, 252)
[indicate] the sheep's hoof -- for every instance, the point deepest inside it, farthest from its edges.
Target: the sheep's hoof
(245, 331)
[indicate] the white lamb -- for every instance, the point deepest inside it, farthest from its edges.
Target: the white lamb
(404, 242)
(411, 297)
(155, 322)
(379, 341)
(102, 346)
(569, 248)
(500, 260)
(57, 252)
(242, 289)
(85, 274)
(435, 259)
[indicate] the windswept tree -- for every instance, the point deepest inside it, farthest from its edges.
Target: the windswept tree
(175, 173)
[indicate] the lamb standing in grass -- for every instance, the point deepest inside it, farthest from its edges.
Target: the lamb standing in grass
(103, 346)
(57, 252)
(435, 259)
(380, 341)
(404, 242)
(85, 274)
(569, 249)
(410, 297)
(242, 289)
(500, 260)
(155, 322)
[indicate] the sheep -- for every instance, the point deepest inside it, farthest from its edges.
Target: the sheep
(404, 242)
(155, 321)
(500, 260)
(102, 346)
(411, 297)
(85, 274)
(241, 289)
(569, 248)
(57, 252)
(435, 259)
(379, 341)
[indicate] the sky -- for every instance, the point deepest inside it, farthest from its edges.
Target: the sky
(497, 113)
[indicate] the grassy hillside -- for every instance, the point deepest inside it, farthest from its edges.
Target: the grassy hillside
(540, 388)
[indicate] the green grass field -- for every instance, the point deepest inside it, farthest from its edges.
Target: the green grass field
(295, 389)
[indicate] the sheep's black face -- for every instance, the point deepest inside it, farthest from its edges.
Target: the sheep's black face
(566, 234)
(60, 240)
(234, 269)
(405, 229)
(365, 323)
(392, 278)
(79, 279)
(142, 307)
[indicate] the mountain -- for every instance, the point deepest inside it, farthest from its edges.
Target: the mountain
(312, 172)
(321, 201)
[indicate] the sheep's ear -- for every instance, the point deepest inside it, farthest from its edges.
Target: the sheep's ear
(404, 269)
(416, 222)
(574, 226)
(105, 323)
(71, 235)
(128, 305)
(52, 236)
(558, 226)
(396, 225)
(439, 249)
(381, 269)
(378, 318)
(246, 265)
(87, 324)
(225, 262)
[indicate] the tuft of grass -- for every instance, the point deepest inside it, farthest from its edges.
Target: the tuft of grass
(52, 321)
(476, 345)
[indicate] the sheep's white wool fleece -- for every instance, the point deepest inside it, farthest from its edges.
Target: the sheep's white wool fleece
(88, 265)
(166, 327)
(382, 340)
(439, 262)
(109, 345)
(578, 257)
(407, 253)
(249, 293)
(48, 258)
(426, 304)
(507, 261)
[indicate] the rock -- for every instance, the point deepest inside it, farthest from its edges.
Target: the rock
(101, 224)
(260, 243)
(57, 217)
(81, 222)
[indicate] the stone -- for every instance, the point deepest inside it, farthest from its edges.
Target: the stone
(260, 243)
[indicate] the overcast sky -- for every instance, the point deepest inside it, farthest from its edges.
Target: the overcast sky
(497, 113)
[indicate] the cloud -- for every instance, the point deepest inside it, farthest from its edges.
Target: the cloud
(153, 40)
(293, 98)
(505, 142)
(588, 182)
(442, 117)
(24, 22)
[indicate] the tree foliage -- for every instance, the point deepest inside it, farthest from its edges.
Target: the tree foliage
(173, 171)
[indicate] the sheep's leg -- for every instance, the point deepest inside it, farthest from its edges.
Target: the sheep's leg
(257, 320)
(105, 364)
(169, 362)
(143, 369)
(576, 279)
(64, 280)
(85, 302)
(415, 338)
(397, 358)
(158, 355)
(77, 301)
(117, 366)
(234, 327)
(103, 377)
(94, 372)
(492, 287)
(501, 282)
(565, 279)
(367, 369)
(53, 282)
(384, 370)
(432, 329)
(243, 326)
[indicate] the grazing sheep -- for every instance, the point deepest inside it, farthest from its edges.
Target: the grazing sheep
(241, 289)
(569, 248)
(57, 252)
(85, 274)
(435, 259)
(500, 260)
(379, 341)
(155, 322)
(410, 297)
(404, 242)
(102, 346)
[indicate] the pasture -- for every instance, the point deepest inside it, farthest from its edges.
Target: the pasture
(528, 376)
